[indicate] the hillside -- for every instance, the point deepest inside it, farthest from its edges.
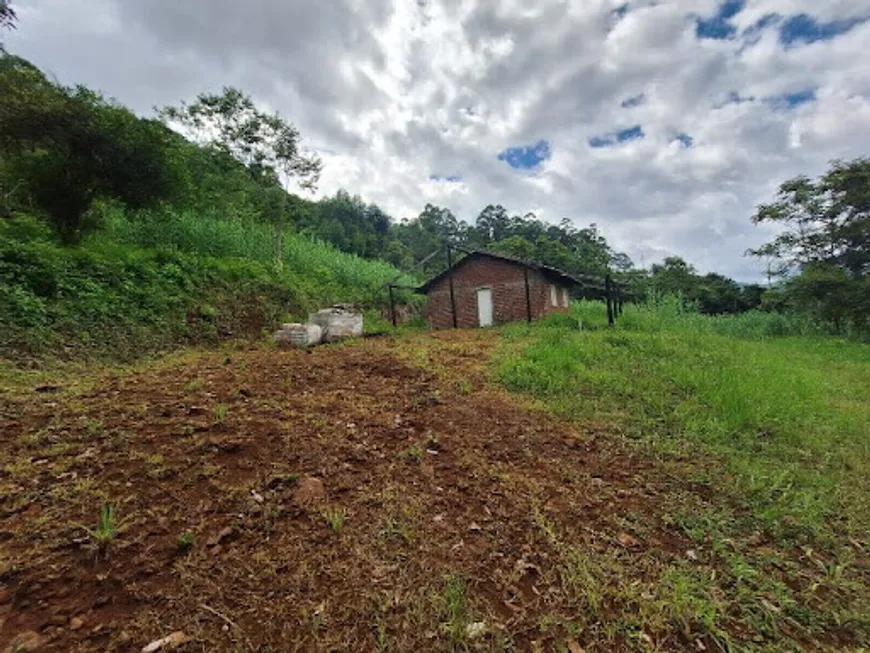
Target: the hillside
(138, 288)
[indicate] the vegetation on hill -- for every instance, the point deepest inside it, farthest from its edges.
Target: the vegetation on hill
(118, 236)
(144, 286)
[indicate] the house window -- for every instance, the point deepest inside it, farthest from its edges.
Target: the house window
(554, 299)
(566, 298)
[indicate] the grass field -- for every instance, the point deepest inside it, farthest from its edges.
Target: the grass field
(771, 435)
(658, 486)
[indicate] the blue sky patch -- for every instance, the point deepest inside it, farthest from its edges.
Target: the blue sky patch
(621, 136)
(634, 101)
(792, 100)
(526, 157)
(685, 139)
(720, 26)
(803, 28)
(453, 179)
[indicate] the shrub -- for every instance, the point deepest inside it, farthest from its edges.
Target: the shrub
(120, 295)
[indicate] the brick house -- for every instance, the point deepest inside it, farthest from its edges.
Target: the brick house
(491, 288)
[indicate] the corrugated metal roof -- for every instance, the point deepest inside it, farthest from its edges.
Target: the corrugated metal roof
(548, 271)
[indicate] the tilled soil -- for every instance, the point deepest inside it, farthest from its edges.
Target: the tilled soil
(373, 496)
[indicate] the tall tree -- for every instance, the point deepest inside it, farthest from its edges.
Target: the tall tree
(68, 147)
(267, 144)
(493, 224)
(825, 242)
(673, 277)
(826, 220)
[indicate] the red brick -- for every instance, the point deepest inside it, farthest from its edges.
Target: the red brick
(507, 281)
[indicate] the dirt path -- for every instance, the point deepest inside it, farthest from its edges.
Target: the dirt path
(447, 514)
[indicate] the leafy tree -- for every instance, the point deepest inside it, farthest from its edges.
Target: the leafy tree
(825, 242)
(673, 277)
(516, 246)
(266, 144)
(717, 294)
(7, 19)
(349, 224)
(824, 220)
(493, 224)
(66, 147)
(751, 296)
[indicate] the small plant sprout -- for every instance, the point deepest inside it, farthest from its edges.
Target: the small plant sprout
(220, 413)
(185, 541)
(107, 528)
(414, 453)
(334, 518)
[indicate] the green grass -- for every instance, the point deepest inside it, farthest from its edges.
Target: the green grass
(777, 428)
(789, 416)
(314, 265)
(455, 611)
(158, 282)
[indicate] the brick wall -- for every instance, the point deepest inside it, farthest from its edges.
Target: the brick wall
(508, 293)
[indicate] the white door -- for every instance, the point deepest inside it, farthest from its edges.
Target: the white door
(484, 307)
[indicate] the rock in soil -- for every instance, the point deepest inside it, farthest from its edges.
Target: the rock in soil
(166, 643)
(309, 491)
(475, 629)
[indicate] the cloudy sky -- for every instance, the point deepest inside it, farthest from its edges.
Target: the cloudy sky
(663, 121)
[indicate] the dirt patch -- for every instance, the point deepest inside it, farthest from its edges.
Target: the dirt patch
(372, 496)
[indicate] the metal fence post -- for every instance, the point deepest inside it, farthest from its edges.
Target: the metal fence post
(608, 290)
(450, 279)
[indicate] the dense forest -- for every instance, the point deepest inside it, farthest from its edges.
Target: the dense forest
(196, 220)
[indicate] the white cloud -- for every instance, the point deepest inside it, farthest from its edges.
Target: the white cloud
(393, 92)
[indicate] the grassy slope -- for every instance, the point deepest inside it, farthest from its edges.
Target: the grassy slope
(146, 285)
(771, 435)
(316, 269)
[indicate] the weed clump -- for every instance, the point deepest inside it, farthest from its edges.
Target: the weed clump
(185, 541)
(334, 518)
